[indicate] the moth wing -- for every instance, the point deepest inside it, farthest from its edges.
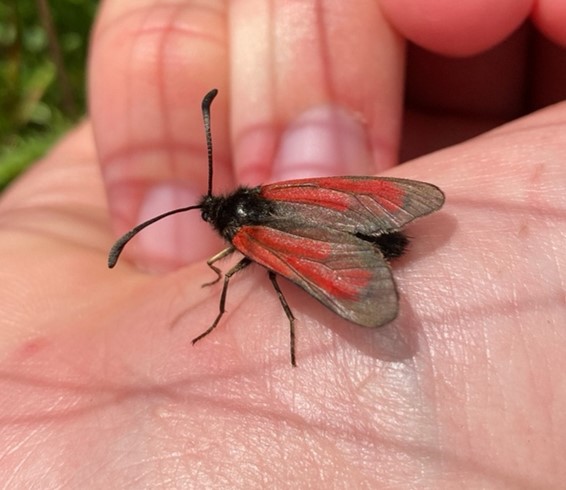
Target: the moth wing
(345, 273)
(368, 206)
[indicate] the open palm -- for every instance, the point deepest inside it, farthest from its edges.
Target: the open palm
(100, 385)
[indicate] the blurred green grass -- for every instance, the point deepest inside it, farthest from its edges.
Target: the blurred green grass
(43, 52)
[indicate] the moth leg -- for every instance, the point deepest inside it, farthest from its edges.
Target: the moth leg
(237, 268)
(288, 312)
(216, 258)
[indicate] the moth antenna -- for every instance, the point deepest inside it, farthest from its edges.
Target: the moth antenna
(117, 248)
(206, 102)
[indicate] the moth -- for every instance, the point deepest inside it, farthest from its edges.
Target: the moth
(332, 236)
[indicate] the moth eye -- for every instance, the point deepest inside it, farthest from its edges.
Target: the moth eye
(205, 216)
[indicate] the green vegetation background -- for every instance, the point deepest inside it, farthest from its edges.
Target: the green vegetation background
(43, 52)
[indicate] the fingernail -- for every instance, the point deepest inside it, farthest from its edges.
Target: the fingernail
(323, 141)
(171, 242)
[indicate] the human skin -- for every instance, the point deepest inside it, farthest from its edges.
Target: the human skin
(100, 386)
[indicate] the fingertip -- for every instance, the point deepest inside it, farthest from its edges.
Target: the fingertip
(550, 17)
(462, 28)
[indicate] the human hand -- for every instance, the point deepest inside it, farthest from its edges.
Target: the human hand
(101, 384)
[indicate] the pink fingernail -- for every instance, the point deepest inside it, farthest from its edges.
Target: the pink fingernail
(171, 242)
(323, 141)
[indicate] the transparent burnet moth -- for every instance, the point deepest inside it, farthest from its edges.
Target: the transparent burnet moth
(332, 236)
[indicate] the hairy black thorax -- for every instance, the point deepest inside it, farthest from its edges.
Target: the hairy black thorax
(244, 206)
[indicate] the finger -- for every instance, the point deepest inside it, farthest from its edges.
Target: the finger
(550, 17)
(456, 28)
(151, 63)
(316, 89)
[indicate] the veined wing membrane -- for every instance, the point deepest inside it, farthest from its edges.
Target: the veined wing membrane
(347, 274)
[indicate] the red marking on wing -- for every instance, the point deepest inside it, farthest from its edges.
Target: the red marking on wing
(349, 285)
(366, 205)
(389, 194)
(307, 194)
(337, 192)
(271, 239)
(345, 273)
